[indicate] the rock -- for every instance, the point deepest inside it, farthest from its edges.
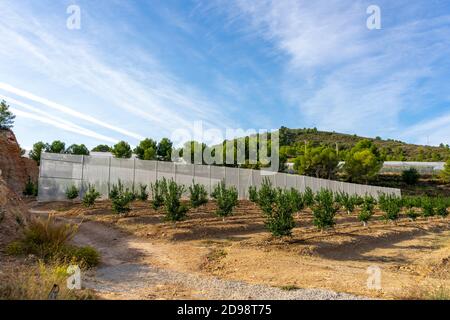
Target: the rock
(15, 169)
(14, 174)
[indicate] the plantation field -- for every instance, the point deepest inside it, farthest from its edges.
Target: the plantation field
(413, 255)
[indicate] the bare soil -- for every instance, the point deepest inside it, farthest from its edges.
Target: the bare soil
(410, 254)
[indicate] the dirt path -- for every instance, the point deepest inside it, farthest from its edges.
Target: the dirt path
(125, 273)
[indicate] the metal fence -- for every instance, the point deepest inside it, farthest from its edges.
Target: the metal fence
(60, 171)
(422, 167)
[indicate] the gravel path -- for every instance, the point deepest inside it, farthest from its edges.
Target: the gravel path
(123, 273)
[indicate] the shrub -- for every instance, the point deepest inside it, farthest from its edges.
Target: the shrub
(114, 191)
(412, 202)
(391, 205)
(266, 196)
(72, 192)
(441, 208)
(159, 189)
(198, 195)
(48, 240)
(347, 201)
(445, 174)
(121, 199)
(143, 194)
(308, 197)
(281, 222)
(428, 207)
(324, 209)
(366, 210)
(90, 196)
(87, 256)
(30, 188)
(175, 211)
(296, 199)
(410, 176)
(226, 198)
(253, 194)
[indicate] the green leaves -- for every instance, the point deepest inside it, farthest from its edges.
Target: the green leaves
(121, 198)
(226, 198)
(445, 174)
(142, 194)
(122, 150)
(175, 211)
(363, 162)
(72, 192)
(78, 149)
(367, 209)
(90, 196)
(280, 221)
(146, 150)
(198, 195)
(159, 189)
(320, 162)
(6, 116)
(266, 196)
(324, 209)
(391, 205)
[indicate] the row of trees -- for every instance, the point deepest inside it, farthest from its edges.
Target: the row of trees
(166, 194)
(148, 149)
(56, 146)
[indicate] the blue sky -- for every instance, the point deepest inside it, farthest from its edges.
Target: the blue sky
(141, 68)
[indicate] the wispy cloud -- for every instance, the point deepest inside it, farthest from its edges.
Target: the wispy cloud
(37, 114)
(342, 76)
(67, 110)
(135, 86)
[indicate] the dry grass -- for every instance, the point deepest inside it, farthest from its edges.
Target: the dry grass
(35, 283)
(426, 292)
(48, 240)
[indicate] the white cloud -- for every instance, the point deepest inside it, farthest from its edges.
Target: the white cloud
(67, 110)
(39, 115)
(340, 75)
(149, 96)
(432, 131)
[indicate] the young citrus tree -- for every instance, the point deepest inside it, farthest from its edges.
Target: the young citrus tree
(159, 189)
(227, 199)
(175, 211)
(280, 221)
(198, 195)
(324, 209)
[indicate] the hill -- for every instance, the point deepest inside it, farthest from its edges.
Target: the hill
(293, 140)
